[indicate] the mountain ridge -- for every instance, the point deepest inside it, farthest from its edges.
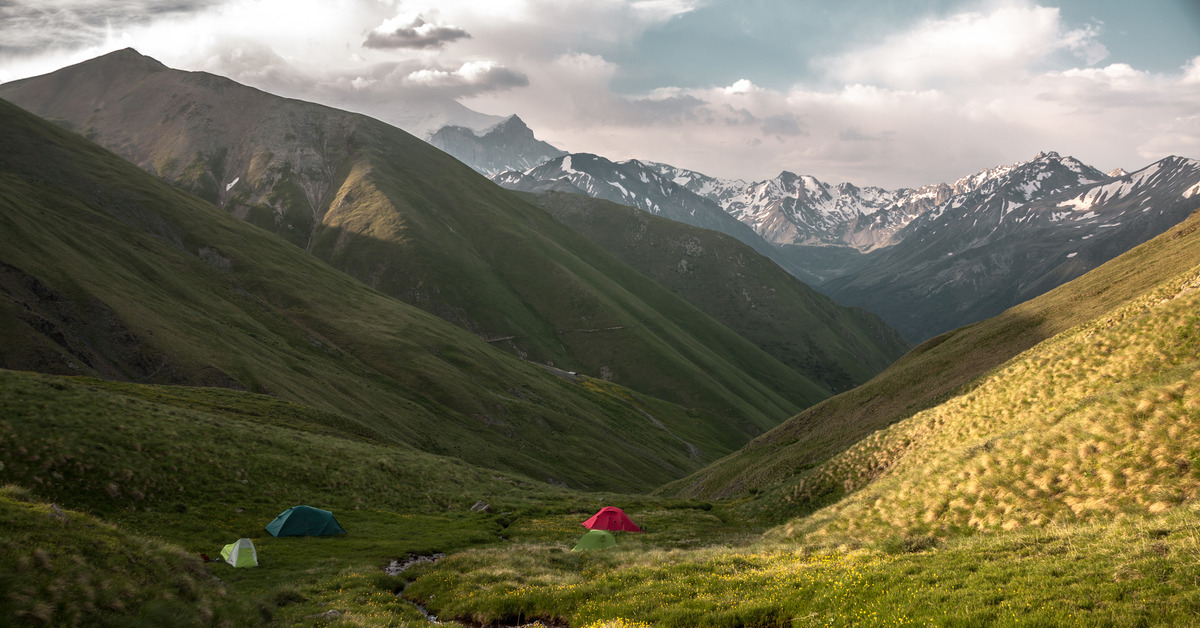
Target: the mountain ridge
(106, 270)
(893, 252)
(413, 223)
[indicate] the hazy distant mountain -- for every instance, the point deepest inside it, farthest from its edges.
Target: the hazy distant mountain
(416, 224)
(423, 117)
(509, 145)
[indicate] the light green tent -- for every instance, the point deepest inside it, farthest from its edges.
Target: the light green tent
(594, 539)
(241, 553)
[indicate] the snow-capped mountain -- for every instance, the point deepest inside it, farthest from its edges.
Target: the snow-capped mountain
(632, 183)
(1012, 233)
(801, 209)
(509, 145)
(636, 184)
(927, 259)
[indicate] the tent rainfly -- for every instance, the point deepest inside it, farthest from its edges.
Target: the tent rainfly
(611, 518)
(240, 553)
(594, 539)
(304, 521)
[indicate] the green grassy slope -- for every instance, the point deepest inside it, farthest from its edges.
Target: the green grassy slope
(166, 473)
(835, 346)
(418, 225)
(108, 271)
(934, 372)
(113, 489)
(125, 449)
(64, 568)
(1058, 490)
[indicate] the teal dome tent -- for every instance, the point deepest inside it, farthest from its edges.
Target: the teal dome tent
(304, 521)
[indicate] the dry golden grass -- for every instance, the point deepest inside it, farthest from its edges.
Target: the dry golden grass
(1102, 421)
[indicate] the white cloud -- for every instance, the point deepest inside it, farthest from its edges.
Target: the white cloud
(997, 46)
(741, 86)
(1191, 72)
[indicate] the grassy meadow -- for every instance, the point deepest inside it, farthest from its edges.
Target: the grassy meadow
(1136, 572)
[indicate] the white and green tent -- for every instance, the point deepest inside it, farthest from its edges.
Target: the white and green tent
(240, 554)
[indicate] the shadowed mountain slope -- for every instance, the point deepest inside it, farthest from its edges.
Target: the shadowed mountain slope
(416, 224)
(107, 271)
(938, 370)
(835, 346)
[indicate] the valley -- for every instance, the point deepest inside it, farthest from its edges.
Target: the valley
(217, 303)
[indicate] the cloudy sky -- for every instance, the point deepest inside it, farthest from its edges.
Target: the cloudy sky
(898, 93)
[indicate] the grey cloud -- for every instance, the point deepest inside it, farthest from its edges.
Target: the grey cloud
(851, 134)
(650, 111)
(738, 116)
(418, 35)
(783, 125)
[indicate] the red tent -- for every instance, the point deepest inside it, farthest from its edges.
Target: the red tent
(611, 518)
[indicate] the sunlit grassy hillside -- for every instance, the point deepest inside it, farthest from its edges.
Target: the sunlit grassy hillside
(1133, 573)
(1057, 490)
(934, 372)
(1099, 423)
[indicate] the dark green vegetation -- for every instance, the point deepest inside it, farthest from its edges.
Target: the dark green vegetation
(180, 471)
(65, 568)
(109, 272)
(835, 346)
(413, 223)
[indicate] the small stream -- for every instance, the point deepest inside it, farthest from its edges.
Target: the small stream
(397, 566)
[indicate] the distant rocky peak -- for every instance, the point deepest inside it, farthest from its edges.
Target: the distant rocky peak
(512, 128)
(509, 145)
(1031, 175)
(1117, 172)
